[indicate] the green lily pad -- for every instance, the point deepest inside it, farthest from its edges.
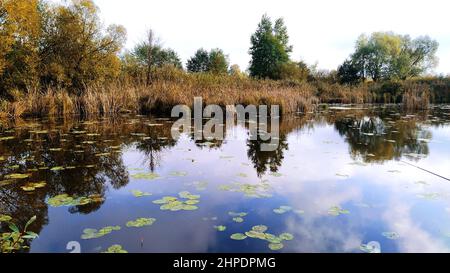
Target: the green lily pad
(276, 247)
(6, 182)
(220, 228)
(336, 211)
(90, 233)
(237, 214)
(138, 193)
(33, 186)
(141, 222)
(276, 174)
(64, 200)
(145, 176)
(17, 176)
(174, 204)
(286, 236)
(260, 228)
(115, 249)
(5, 218)
(238, 236)
(238, 219)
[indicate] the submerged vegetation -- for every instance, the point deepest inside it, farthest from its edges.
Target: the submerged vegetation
(58, 59)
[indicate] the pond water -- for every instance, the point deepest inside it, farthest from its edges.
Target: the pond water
(341, 180)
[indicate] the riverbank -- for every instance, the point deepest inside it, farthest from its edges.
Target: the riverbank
(170, 87)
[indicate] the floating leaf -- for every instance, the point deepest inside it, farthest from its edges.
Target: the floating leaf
(238, 219)
(33, 186)
(220, 228)
(141, 222)
(138, 193)
(5, 218)
(174, 204)
(276, 174)
(90, 233)
(237, 214)
(238, 236)
(146, 176)
(286, 236)
(336, 211)
(260, 228)
(429, 196)
(66, 200)
(115, 249)
(275, 247)
(18, 176)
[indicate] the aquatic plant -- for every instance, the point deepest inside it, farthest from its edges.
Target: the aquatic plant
(336, 211)
(141, 222)
(90, 233)
(115, 249)
(259, 232)
(174, 204)
(64, 200)
(138, 193)
(16, 239)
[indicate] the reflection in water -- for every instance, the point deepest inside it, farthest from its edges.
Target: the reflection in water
(95, 157)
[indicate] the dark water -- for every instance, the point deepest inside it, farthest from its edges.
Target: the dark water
(355, 161)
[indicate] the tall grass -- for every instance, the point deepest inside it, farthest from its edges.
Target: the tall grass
(172, 87)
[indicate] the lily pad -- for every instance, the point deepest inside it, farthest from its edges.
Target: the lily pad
(5, 218)
(238, 236)
(115, 249)
(336, 211)
(260, 228)
(286, 236)
(238, 219)
(33, 186)
(220, 228)
(64, 200)
(174, 204)
(141, 222)
(90, 233)
(138, 193)
(276, 247)
(146, 176)
(17, 176)
(237, 214)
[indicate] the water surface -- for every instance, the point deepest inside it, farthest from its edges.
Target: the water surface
(342, 178)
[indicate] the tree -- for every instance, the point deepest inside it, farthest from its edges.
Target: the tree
(386, 55)
(19, 34)
(215, 62)
(199, 62)
(218, 63)
(160, 56)
(75, 50)
(269, 49)
(348, 73)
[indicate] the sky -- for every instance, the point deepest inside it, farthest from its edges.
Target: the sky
(321, 31)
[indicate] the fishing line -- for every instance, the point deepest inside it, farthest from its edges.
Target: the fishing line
(425, 170)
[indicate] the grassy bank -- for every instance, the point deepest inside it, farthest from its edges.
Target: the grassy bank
(171, 87)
